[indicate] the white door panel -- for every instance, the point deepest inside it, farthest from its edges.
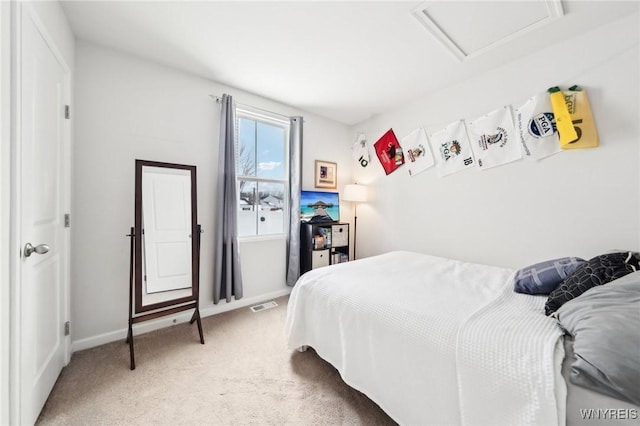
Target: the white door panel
(41, 199)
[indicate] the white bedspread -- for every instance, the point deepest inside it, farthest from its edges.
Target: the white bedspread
(431, 340)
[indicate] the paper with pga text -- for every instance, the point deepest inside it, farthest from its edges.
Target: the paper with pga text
(494, 139)
(536, 126)
(418, 155)
(452, 149)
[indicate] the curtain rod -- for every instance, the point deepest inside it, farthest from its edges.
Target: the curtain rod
(218, 99)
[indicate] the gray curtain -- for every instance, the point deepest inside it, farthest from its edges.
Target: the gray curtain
(227, 274)
(295, 179)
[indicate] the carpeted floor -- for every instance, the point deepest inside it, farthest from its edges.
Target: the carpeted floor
(244, 374)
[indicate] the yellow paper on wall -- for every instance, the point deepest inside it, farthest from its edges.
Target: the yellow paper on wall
(582, 118)
(566, 131)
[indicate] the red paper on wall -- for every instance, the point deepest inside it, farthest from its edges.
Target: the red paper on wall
(389, 152)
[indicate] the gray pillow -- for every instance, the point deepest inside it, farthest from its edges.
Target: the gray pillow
(544, 277)
(605, 323)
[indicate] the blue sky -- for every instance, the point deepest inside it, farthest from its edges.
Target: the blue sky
(269, 158)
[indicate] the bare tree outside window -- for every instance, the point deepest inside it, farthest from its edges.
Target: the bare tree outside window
(246, 164)
(261, 170)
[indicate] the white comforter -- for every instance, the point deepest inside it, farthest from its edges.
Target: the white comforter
(432, 340)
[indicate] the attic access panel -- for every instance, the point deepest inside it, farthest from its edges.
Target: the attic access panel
(468, 29)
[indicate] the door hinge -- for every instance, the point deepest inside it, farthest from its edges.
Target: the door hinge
(67, 220)
(66, 112)
(67, 328)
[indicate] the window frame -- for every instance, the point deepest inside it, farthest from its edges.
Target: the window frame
(273, 119)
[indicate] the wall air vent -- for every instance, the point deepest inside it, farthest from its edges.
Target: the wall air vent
(468, 29)
(264, 306)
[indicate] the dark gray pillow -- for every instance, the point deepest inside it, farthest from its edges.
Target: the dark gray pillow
(605, 324)
(597, 271)
(544, 277)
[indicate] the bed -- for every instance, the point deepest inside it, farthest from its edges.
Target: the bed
(437, 341)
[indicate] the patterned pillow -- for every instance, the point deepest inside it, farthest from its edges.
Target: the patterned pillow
(544, 277)
(597, 271)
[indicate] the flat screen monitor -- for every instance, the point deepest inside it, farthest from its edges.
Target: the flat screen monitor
(319, 207)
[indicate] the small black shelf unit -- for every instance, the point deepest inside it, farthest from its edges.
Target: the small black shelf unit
(323, 244)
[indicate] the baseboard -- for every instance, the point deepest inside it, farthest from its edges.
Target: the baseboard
(147, 326)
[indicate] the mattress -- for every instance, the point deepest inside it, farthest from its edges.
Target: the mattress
(433, 340)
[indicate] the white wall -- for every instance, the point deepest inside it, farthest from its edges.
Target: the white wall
(127, 109)
(55, 21)
(580, 202)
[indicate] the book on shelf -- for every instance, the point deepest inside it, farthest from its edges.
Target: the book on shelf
(339, 258)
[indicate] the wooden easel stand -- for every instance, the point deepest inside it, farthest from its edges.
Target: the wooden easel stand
(161, 313)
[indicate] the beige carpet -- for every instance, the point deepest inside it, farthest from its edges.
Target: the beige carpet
(243, 374)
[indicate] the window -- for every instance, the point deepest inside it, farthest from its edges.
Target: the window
(262, 170)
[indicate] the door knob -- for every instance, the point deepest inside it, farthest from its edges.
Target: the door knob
(39, 249)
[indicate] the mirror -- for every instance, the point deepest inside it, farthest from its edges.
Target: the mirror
(165, 245)
(165, 224)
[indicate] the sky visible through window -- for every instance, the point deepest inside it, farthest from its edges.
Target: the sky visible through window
(264, 159)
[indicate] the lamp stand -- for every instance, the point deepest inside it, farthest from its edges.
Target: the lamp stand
(355, 193)
(355, 228)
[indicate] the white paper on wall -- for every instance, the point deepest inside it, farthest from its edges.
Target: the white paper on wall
(536, 127)
(452, 149)
(361, 150)
(494, 139)
(418, 156)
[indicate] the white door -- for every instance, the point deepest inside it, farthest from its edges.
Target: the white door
(42, 198)
(5, 209)
(166, 217)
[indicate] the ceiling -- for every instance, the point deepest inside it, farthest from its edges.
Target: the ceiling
(346, 61)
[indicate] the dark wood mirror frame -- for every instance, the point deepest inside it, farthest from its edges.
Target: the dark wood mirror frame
(138, 311)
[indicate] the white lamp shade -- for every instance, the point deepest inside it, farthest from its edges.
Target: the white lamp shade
(353, 192)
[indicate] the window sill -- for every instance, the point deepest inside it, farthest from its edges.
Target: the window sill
(258, 238)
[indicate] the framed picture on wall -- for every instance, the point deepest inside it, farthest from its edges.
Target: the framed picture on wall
(326, 174)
